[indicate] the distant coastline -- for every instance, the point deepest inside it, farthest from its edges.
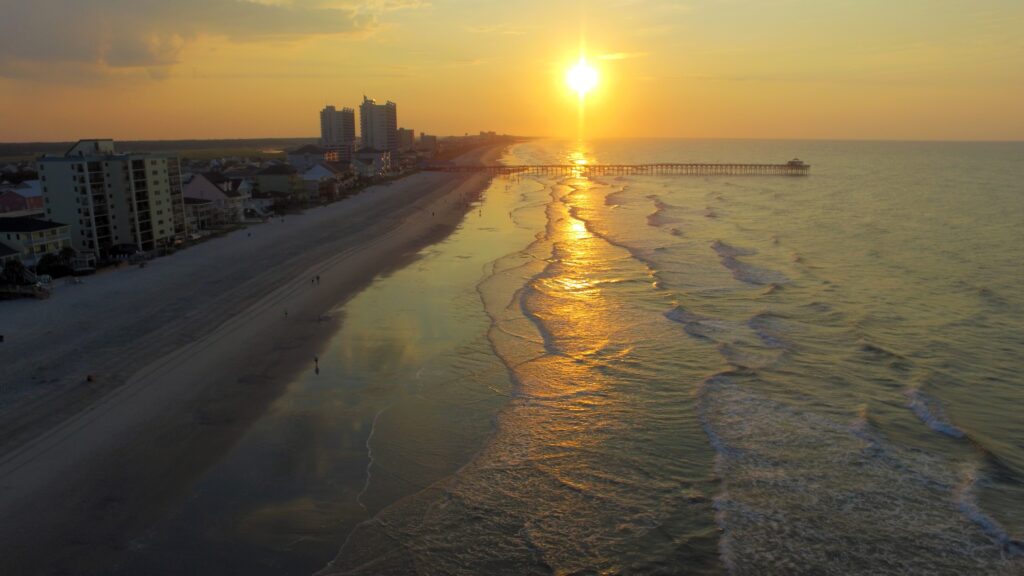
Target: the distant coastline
(21, 151)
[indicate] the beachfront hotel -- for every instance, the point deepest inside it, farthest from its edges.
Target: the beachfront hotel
(338, 131)
(111, 199)
(378, 124)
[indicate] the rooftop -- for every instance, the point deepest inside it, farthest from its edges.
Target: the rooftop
(21, 224)
(277, 170)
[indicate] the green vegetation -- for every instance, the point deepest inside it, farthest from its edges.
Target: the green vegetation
(215, 153)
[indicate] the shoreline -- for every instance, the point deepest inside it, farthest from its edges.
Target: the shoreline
(82, 487)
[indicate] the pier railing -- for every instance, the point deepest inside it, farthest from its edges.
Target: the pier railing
(792, 168)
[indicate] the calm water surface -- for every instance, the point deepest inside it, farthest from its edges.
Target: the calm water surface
(644, 374)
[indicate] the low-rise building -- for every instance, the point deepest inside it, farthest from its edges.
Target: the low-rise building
(261, 203)
(199, 214)
(280, 180)
(321, 182)
(306, 157)
(228, 196)
(371, 163)
(27, 195)
(31, 238)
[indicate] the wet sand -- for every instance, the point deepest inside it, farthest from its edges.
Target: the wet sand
(185, 354)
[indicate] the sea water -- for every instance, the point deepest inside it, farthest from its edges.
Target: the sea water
(662, 374)
(743, 374)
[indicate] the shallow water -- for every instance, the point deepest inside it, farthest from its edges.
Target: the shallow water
(643, 374)
(747, 374)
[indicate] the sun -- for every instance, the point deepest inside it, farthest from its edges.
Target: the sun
(582, 77)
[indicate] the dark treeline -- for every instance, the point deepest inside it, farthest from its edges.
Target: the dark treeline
(39, 148)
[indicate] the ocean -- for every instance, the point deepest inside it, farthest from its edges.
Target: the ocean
(661, 375)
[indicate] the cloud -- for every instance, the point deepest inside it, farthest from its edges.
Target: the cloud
(111, 36)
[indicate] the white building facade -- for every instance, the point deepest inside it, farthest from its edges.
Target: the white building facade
(108, 198)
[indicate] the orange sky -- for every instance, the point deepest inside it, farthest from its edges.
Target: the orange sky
(917, 69)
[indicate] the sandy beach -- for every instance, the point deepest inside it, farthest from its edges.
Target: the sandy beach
(183, 355)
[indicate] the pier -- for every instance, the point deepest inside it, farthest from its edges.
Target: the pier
(792, 168)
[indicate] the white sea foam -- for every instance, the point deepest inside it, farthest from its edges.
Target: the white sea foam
(804, 493)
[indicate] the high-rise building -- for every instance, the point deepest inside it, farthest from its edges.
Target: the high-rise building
(406, 138)
(337, 127)
(379, 125)
(338, 132)
(428, 142)
(111, 198)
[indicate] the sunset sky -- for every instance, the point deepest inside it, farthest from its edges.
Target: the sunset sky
(145, 69)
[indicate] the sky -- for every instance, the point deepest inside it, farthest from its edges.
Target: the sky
(194, 69)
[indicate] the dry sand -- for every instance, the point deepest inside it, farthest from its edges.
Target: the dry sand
(185, 353)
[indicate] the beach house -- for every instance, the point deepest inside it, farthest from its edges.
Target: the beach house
(228, 196)
(280, 181)
(371, 163)
(23, 197)
(32, 238)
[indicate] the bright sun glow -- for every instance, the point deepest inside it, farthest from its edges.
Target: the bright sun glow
(582, 77)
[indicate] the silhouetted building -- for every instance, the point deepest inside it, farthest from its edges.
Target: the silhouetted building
(428, 142)
(338, 132)
(378, 124)
(406, 139)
